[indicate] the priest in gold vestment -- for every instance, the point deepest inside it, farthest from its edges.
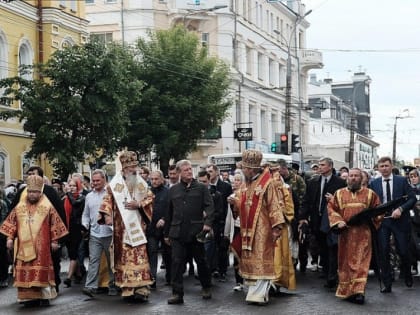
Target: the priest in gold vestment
(283, 261)
(35, 226)
(354, 242)
(262, 221)
(126, 206)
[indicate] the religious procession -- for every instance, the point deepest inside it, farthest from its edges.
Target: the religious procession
(267, 221)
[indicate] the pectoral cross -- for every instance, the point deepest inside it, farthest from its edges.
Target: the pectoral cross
(29, 220)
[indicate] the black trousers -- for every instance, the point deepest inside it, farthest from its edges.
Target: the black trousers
(402, 241)
(180, 251)
(4, 260)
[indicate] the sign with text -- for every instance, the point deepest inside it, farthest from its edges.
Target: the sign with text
(243, 134)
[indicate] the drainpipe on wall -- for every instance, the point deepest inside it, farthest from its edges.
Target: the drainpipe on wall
(40, 33)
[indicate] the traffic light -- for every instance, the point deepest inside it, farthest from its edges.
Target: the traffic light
(284, 143)
(274, 147)
(295, 143)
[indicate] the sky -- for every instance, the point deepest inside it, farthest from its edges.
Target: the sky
(381, 38)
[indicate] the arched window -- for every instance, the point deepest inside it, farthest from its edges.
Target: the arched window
(26, 57)
(3, 55)
(3, 59)
(3, 165)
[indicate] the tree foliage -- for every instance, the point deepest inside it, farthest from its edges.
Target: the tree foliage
(185, 95)
(78, 104)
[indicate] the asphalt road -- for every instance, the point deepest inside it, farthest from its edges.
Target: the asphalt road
(310, 297)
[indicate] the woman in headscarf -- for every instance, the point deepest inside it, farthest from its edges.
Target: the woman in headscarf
(74, 203)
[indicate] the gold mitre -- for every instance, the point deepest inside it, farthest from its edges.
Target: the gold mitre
(251, 159)
(128, 158)
(34, 182)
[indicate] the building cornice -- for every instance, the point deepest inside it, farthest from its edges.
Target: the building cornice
(64, 19)
(14, 132)
(20, 8)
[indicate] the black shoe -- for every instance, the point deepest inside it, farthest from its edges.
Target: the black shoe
(176, 299)
(386, 289)
(89, 291)
(408, 280)
(222, 277)
(67, 282)
(331, 284)
(359, 299)
(31, 303)
(44, 303)
(206, 293)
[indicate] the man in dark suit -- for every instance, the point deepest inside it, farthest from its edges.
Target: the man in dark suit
(319, 190)
(222, 247)
(397, 222)
(190, 212)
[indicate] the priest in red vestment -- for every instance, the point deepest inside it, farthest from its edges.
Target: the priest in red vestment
(354, 242)
(34, 227)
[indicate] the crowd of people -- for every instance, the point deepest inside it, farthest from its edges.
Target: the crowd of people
(275, 220)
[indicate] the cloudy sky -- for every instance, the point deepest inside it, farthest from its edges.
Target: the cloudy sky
(382, 38)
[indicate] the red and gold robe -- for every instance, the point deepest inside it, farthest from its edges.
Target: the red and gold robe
(354, 242)
(283, 262)
(34, 227)
(259, 209)
(130, 263)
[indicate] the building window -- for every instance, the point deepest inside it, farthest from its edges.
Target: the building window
(101, 37)
(2, 169)
(73, 6)
(205, 37)
(89, 1)
(3, 59)
(272, 72)
(110, 1)
(270, 30)
(260, 66)
(249, 60)
(261, 16)
(256, 14)
(264, 124)
(26, 58)
(267, 21)
(250, 10)
(274, 124)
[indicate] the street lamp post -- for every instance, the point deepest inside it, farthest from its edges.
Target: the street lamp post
(394, 140)
(288, 91)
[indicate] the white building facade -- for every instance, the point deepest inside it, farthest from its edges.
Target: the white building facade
(254, 37)
(330, 124)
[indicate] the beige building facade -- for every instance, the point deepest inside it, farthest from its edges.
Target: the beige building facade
(30, 31)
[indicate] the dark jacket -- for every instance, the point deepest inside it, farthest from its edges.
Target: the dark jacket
(160, 210)
(77, 210)
(311, 201)
(226, 190)
(185, 217)
(400, 187)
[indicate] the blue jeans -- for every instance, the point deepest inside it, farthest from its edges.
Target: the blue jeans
(96, 246)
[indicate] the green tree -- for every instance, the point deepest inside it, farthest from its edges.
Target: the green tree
(185, 95)
(78, 104)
